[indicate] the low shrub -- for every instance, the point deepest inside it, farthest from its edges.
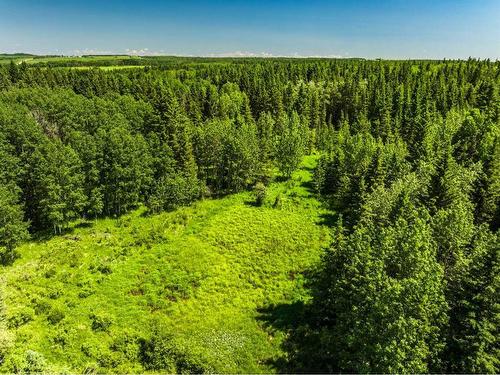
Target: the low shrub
(160, 353)
(55, 315)
(259, 191)
(34, 362)
(6, 342)
(20, 316)
(100, 321)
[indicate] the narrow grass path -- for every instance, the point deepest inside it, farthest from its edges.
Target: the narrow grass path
(205, 273)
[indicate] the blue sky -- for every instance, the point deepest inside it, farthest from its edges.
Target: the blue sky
(355, 28)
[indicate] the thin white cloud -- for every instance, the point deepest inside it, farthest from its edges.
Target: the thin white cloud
(269, 55)
(148, 52)
(142, 52)
(240, 54)
(127, 51)
(91, 51)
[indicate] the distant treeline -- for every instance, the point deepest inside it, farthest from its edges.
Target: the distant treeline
(410, 165)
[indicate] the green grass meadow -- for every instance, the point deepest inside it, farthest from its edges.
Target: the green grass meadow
(211, 275)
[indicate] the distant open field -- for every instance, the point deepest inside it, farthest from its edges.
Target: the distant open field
(118, 61)
(73, 61)
(16, 57)
(110, 67)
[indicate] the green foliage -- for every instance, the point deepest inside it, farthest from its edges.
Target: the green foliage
(408, 166)
(357, 165)
(172, 191)
(124, 170)
(290, 147)
(184, 293)
(59, 180)
(35, 362)
(100, 321)
(160, 353)
(227, 155)
(438, 243)
(260, 193)
(383, 292)
(55, 315)
(13, 230)
(6, 342)
(20, 315)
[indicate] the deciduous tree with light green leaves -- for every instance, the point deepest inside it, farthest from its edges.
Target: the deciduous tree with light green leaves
(13, 229)
(291, 145)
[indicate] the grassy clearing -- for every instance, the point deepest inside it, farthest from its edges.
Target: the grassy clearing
(113, 67)
(85, 300)
(110, 62)
(82, 59)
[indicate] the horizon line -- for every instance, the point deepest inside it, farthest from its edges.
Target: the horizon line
(250, 55)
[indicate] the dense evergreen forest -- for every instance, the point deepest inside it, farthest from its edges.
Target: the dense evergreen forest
(408, 165)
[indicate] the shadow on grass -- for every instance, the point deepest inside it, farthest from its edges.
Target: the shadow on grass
(151, 213)
(283, 316)
(85, 224)
(303, 343)
(286, 318)
(329, 219)
(251, 203)
(309, 186)
(45, 235)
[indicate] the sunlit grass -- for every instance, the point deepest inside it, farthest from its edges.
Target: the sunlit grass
(204, 271)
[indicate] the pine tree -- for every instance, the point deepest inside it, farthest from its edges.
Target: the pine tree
(473, 289)
(383, 298)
